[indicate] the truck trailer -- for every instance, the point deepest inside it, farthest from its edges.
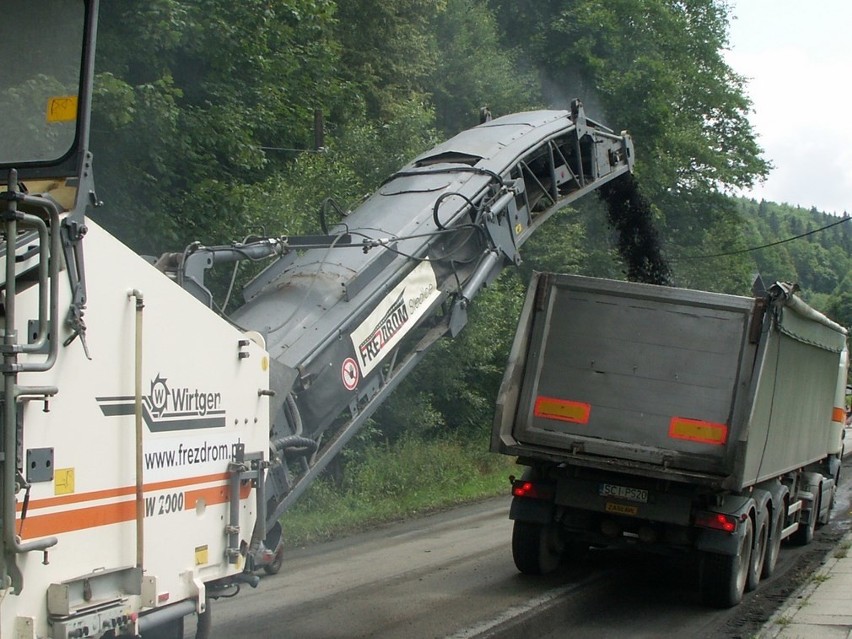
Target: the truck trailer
(671, 420)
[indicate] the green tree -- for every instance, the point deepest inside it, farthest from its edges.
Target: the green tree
(193, 99)
(357, 158)
(774, 224)
(387, 50)
(473, 69)
(840, 308)
(656, 68)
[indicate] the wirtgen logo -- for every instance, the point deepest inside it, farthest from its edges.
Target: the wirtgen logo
(181, 401)
(169, 407)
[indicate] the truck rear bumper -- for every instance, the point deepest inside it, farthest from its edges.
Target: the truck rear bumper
(617, 510)
(630, 499)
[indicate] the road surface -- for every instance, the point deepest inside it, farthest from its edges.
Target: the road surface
(452, 575)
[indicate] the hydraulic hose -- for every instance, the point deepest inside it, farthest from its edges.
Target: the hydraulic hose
(292, 442)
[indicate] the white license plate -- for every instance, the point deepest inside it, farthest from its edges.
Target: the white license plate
(623, 492)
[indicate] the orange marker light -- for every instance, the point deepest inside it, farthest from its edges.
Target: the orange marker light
(696, 430)
(562, 410)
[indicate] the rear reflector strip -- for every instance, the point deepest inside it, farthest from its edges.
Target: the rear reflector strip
(695, 430)
(838, 415)
(562, 410)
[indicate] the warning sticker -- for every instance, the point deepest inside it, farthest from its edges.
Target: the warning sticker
(349, 373)
(62, 108)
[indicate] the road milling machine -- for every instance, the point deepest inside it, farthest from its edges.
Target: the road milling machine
(150, 445)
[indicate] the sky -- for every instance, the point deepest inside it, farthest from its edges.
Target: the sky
(797, 60)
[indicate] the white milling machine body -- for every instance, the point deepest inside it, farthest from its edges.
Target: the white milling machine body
(149, 445)
(135, 428)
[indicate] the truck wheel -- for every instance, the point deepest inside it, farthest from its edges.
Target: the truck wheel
(723, 577)
(773, 549)
(758, 556)
(275, 566)
(536, 548)
(275, 538)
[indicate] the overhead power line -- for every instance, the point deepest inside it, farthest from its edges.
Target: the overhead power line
(762, 246)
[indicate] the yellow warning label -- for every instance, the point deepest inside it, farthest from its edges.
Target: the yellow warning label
(621, 509)
(63, 481)
(201, 555)
(62, 108)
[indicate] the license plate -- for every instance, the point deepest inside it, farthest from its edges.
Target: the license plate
(624, 492)
(622, 509)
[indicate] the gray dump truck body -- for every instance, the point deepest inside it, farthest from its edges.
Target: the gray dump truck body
(639, 409)
(689, 385)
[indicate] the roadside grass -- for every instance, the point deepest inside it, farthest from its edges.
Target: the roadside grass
(389, 482)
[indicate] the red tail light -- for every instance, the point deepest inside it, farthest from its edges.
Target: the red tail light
(716, 521)
(532, 490)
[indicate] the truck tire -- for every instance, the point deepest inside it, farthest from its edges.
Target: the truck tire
(275, 537)
(773, 548)
(275, 566)
(758, 555)
(536, 548)
(723, 577)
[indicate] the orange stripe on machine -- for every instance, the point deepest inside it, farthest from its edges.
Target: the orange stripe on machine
(215, 495)
(696, 430)
(562, 410)
(72, 519)
(78, 519)
(838, 415)
(65, 500)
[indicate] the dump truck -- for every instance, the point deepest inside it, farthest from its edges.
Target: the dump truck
(671, 420)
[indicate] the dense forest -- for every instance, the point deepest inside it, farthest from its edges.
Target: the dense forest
(203, 129)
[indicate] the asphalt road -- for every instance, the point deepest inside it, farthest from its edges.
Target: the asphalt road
(428, 577)
(452, 575)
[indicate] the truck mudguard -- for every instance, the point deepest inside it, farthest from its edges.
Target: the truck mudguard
(725, 543)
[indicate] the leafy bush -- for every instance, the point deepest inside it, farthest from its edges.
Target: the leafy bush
(393, 481)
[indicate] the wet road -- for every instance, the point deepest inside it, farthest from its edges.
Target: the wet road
(452, 575)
